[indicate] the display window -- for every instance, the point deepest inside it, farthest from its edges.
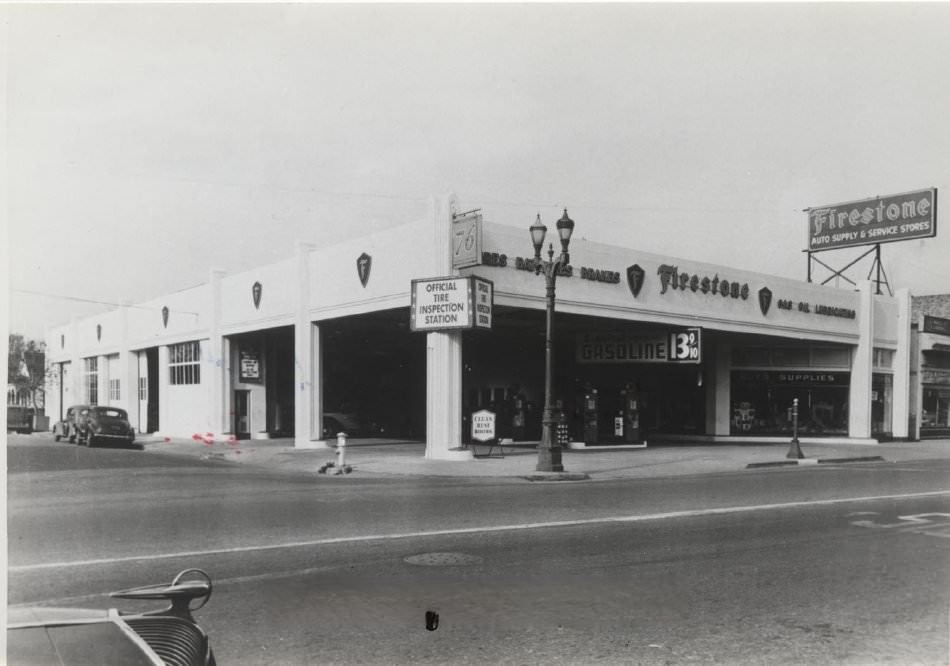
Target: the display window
(882, 389)
(762, 402)
(935, 413)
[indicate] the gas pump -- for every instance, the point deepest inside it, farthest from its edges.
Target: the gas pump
(630, 397)
(590, 416)
(518, 418)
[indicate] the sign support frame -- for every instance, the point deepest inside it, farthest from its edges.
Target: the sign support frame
(876, 264)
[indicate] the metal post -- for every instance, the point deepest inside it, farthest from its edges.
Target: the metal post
(549, 451)
(795, 451)
(340, 451)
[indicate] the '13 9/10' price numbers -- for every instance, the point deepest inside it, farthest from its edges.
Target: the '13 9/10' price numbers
(685, 345)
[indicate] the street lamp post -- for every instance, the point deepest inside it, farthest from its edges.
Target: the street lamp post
(549, 452)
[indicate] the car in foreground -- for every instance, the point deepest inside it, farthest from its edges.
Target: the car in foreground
(72, 424)
(106, 425)
(168, 636)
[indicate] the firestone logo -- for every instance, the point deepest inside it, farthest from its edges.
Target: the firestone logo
(671, 278)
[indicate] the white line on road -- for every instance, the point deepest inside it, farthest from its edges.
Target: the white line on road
(473, 530)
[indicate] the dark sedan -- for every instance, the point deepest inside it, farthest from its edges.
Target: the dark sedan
(106, 425)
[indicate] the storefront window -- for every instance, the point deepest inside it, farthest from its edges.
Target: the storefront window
(762, 402)
(936, 409)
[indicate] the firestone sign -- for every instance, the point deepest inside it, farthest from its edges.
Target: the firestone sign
(877, 220)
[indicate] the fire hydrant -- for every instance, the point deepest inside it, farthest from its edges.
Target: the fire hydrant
(340, 451)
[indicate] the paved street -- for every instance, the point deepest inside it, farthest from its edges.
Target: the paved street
(844, 563)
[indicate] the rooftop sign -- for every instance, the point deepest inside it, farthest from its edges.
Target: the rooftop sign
(870, 221)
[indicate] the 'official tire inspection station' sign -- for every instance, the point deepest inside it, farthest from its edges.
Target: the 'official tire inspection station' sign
(447, 303)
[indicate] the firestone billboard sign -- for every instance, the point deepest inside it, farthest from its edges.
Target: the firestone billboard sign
(897, 217)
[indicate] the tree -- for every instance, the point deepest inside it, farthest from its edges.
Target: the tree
(26, 368)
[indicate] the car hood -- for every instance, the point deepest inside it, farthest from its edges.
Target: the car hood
(61, 636)
(48, 615)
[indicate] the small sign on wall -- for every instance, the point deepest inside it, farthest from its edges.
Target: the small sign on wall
(250, 366)
(466, 240)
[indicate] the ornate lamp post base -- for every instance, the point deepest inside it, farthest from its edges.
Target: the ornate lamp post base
(549, 451)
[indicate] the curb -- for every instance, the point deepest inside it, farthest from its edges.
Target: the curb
(556, 476)
(814, 461)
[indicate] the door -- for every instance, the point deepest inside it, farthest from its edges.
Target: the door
(143, 392)
(242, 424)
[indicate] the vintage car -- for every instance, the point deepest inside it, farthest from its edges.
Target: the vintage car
(168, 636)
(106, 425)
(72, 424)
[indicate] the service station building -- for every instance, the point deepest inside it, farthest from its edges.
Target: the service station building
(406, 333)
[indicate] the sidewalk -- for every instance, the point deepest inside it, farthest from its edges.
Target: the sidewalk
(380, 457)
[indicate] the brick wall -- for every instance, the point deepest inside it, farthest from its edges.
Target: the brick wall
(937, 305)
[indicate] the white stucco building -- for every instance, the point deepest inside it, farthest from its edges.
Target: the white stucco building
(273, 350)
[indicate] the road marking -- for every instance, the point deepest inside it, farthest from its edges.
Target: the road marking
(692, 513)
(920, 523)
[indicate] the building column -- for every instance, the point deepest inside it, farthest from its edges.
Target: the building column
(216, 365)
(443, 352)
(716, 375)
(128, 372)
(77, 385)
(862, 367)
(163, 382)
(308, 373)
(900, 414)
(444, 396)
(102, 379)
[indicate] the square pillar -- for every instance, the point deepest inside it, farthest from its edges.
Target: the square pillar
(102, 380)
(900, 414)
(718, 380)
(862, 367)
(308, 371)
(163, 388)
(216, 363)
(444, 397)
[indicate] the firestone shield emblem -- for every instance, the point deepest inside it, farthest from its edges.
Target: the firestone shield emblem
(363, 264)
(765, 299)
(635, 276)
(256, 290)
(165, 317)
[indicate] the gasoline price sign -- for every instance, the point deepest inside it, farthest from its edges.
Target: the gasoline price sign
(685, 346)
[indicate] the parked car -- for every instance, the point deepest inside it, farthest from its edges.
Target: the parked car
(106, 424)
(20, 419)
(72, 424)
(168, 636)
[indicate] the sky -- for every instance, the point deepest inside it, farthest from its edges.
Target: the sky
(148, 144)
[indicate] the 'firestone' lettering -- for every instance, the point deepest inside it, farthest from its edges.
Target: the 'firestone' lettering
(671, 278)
